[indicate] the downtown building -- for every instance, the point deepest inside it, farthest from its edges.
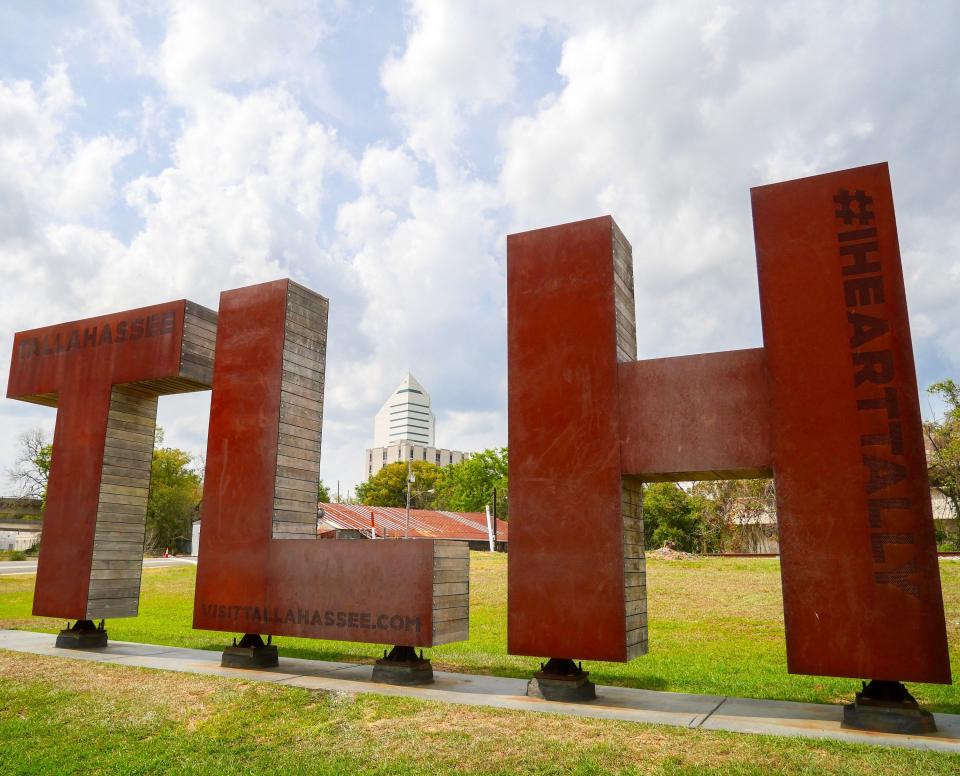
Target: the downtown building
(404, 430)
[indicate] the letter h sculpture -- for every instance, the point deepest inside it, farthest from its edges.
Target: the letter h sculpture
(828, 407)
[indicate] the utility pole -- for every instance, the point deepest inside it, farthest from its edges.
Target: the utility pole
(494, 519)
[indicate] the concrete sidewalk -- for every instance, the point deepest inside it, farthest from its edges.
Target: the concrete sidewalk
(709, 712)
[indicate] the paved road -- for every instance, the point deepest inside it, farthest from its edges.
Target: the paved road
(30, 566)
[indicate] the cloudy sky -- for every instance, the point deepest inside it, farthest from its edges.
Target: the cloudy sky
(379, 153)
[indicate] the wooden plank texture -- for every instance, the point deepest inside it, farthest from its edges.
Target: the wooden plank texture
(301, 415)
(122, 510)
(451, 591)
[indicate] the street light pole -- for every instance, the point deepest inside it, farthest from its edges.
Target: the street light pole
(409, 481)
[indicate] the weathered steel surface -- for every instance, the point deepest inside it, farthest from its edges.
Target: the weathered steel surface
(829, 405)
(861, 584)
(696, 417)
(91, 370)
(248, 579)
(569, 581)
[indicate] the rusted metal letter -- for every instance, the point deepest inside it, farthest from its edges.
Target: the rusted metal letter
(104, 376)
(261, 569)
(828, 406)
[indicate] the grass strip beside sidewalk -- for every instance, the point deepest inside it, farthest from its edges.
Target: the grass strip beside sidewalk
(63, 716)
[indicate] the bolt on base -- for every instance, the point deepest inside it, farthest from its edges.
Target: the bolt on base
(251, 652)
(887, 707)
(402, 666)
(83, 635)
(561, 680)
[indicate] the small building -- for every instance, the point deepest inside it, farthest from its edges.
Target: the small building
(340, 521)
(352, 521)
(21, 521)
(18, 540)
(943, 517)
(758, 533)
(21, 508)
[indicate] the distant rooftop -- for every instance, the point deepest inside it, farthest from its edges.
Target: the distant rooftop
(424, 523)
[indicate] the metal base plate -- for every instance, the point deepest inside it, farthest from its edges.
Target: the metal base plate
(81, 639)
(250, 657)
(550, 689)
(883, 719)
(403, 672)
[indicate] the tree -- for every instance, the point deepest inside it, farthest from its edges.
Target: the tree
(174, 495)
(31, 469)
(735, 514)
(670, 514)
(943, 447)
(323, 492)
(468, 486)
(388, 487)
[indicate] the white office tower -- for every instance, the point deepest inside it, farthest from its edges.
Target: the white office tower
(405, 417)
(403, 430)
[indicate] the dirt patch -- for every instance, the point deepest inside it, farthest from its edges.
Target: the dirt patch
(33, 623)
(668, 553)
(180, 696)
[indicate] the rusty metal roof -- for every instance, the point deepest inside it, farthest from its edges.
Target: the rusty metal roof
(424, 523)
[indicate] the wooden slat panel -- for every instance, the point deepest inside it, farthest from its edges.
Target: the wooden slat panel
(101, 609)
(115, 574)
(310, 445)
(121, 513)
(103, 565)
(299, 431)
(105, 553)
(300, 356)
(105, 518)
(301, 414)
(634, 565)
(289, 483)
(300, 497)
(448, 551)
(448, 601)
(294, 516)
(451, 613)
(447, 633)
(297, 472)
(636, 606)
(451, 575)
(282, 505)
(309, 457)
(128, 593)
(450, 588)
(447, 564)
(311, 468)
(301, 529)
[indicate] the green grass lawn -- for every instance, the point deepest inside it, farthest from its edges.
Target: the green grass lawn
(61, 716)
(716, 627)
